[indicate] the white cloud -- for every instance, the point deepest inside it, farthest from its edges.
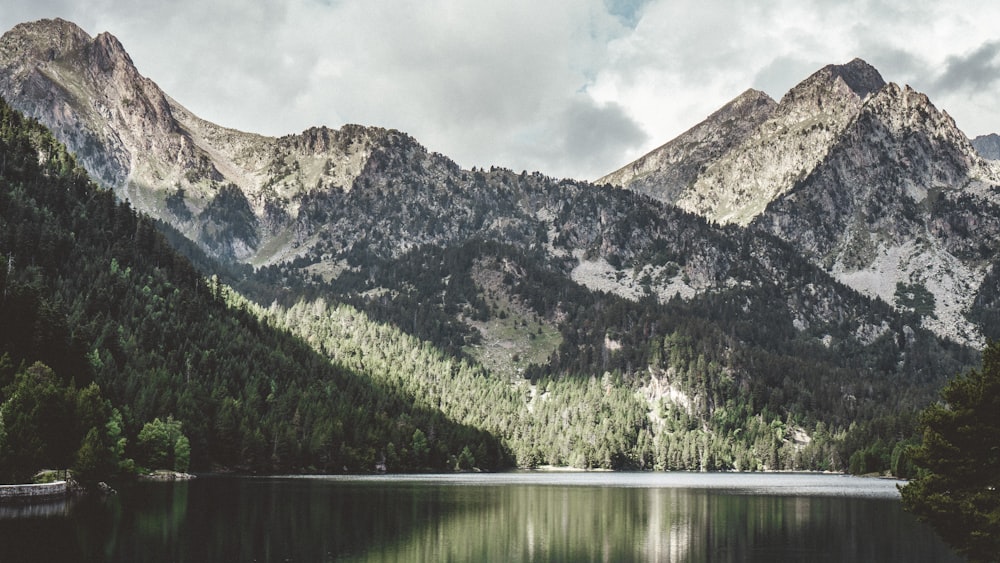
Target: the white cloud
(569, 87)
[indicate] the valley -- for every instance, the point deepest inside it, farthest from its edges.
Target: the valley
(784, 286)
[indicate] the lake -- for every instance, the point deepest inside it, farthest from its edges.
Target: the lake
(518, 516)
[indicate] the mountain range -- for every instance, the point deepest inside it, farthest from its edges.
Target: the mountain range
(789, 261)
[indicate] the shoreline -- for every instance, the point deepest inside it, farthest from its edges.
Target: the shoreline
(31, 491)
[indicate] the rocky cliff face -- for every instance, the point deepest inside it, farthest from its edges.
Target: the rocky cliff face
(766, 151)
(668, 171)
(901, 207)
(89, 93)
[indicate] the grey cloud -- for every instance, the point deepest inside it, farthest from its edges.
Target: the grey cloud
(595, 133)
(585, 140)
(979, 69)
(783, 73)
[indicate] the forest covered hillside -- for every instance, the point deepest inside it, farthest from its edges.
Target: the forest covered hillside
(94, 292)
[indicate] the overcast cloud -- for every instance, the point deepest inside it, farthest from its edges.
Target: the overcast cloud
(573, 88)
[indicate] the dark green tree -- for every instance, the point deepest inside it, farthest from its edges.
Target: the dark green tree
(162, 445)
(957, 490)
(38, 419)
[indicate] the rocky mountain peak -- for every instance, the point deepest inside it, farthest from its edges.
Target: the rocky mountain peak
(856, 77)
(90, 94)
(867, 178)
(760, 157)
(900, 206)
(988, 146)
(750, 98)
(861, 77)
(782, 149)
(666, 171)
(43, 40)
(108, 53)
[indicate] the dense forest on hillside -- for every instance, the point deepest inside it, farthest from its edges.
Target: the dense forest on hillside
(91, 290)
(754, 392)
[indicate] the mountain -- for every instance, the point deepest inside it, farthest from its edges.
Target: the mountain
(902, 208)
(869, 180)
(573, 323)
(766, 149)
(988, 146)
(666, 172)
(229, 191)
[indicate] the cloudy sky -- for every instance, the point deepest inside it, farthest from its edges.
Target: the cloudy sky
(573, 88)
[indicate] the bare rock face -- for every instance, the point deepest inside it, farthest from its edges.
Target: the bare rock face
(730, 166)
(785, 147)
(666, 172)
(48, 71)
(901, 207)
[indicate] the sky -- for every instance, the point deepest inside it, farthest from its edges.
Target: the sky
(571, 88)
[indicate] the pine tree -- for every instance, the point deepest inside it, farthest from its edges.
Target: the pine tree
(958, 487)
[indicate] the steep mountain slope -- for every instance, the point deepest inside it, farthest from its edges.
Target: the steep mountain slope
(899, 209)
(89, 288)
(163, 159)
(668, 171)
(767, 150)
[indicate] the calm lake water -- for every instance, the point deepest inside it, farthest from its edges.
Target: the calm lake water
(520, 516)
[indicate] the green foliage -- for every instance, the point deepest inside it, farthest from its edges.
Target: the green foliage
(182, 454)
(92, 461)
(161, 444)
(176, 204)
(420, 448)
(956, 488)
(48, 422)
(985, 311)
(39, 423)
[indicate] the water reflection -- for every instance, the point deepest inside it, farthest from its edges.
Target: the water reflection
(46, 508)
(470, 519)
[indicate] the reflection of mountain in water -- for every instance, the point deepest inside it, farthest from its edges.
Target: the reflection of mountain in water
(499, 517)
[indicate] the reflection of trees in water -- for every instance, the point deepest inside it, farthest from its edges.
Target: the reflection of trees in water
(566, 523)
(50, 508)
(376, 519)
